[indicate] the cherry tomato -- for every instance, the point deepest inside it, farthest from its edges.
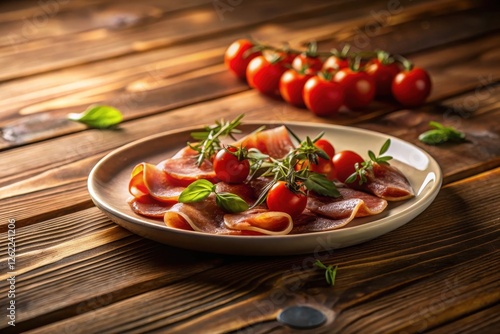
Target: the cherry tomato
(306, 63)
(344, 162)
(324, 166)
(228, 168)
(335, 63)
(383, 75)
(238, 56)
(412, 87)
(281, 198)
(359, 88)
(326, 146)
(291, 87)
(264, 75)
(287, 58)
(323, 97)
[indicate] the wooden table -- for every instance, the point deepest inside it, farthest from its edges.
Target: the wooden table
(161, 64)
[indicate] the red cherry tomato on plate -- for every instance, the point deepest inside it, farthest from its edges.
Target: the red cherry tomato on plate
(326, 146)
(359, 88)
(264, 75)
(291, 87)
(383, 75)
(229, 168)
(238, 55)
(324, 166)
(412, 87)
(281, 198)
(344, 163)
(306, 63)
(323, 97)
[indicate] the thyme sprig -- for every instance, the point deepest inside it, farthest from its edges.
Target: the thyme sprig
(298, 179)
(330, 272)
(367, 165)
(209, 140)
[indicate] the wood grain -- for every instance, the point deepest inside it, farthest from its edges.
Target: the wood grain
(67, 169)
(374, 278)
(161, 63)
(154, 81)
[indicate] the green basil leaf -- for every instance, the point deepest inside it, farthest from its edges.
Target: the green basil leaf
(196, 191)
(99, 117)
(433, 137)
(321, 185)
(437, 125)
(385, 147)
(230, 202)
(456, 135)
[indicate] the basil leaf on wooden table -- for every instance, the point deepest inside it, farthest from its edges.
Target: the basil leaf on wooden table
(99, 117)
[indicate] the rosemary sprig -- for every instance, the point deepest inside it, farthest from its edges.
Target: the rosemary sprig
(367, 165)
(209, 140)
(299, 180)
(330, 272)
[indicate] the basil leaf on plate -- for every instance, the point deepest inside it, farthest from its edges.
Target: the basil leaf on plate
(230, 202)
(196, 191)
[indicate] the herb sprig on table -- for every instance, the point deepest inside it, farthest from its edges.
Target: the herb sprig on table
(441, 134)
(330, 272)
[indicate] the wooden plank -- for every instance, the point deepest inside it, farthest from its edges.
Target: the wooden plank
(484, 321)
(377, 277)
(94, 45)
(41, 178)
(144, 69)
(152, 82)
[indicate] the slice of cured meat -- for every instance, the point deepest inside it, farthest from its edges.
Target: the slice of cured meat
(207, 217)
(183, 171)
(148, 207)
(386, 182)
(148, 179)
(326, 213)
(261, 221)
(275, 142)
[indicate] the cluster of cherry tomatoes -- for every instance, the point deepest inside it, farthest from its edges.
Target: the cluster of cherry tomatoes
(324, 82)
(232, 167)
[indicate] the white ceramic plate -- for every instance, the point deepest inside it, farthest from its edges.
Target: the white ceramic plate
(108, 187)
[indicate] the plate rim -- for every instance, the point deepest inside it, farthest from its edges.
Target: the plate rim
(415, 209)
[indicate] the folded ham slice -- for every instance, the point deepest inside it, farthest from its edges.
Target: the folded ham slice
(149, 207)
(325, 213)
(387, 182)
(275, 142)
(207, 217)
(148, 179)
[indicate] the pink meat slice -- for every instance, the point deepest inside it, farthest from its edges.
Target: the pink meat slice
(387, 182)
(275, 142)
(148, 179)
(148, 207)
(325, 213)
